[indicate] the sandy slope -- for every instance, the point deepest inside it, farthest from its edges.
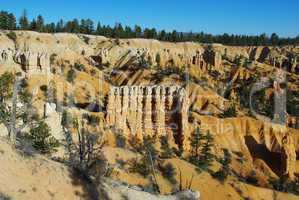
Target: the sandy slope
(34, 177)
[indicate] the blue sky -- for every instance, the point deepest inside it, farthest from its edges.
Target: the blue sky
(211, 16)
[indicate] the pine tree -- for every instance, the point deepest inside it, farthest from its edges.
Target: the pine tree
(3, 20)
(118, 30)
(24, 23)
(146, 33)
(196, 141)
(224, 171)
(99, 30)
(50, 28)
(7, 21)
(274, 39)
(41, 138)
(174, 36)
(138, 31)
(86, 26)
(59, 26)
(162, 35)
(40, 23)
(33, 25)
(128, 32)
(6, 85)
(206, 156)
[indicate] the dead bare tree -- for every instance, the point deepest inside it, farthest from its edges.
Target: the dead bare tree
(156, 185)
(86, 155)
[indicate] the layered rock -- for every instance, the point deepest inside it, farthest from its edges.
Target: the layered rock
(276, 144)
(149, 110)
(28, 60)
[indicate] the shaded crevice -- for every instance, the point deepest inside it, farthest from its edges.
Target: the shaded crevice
(275, 160)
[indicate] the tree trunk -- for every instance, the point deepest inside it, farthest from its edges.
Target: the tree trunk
(13, 129)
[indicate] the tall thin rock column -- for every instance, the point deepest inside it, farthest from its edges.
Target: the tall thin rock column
(133, 110)
(124, 109)
(163, 99)
(111, 107)
(139, 121)
(170, 109)
(184, 115)
(157, 111)
(118, 108)
(148, 129)
(160, 110)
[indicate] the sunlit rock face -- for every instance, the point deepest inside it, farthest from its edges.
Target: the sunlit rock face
(148, 110)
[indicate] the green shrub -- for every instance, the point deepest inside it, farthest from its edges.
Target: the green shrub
(252, 178)
(6, 85)
(220, 175)
(41, 138)
(201, 149)
(71, 75)
(121, 140)
(284, 184)
(168, 172)
(79, 67)
(12, 35)
(166, 151)
(141, 166)
(149, 147)
(44, 88)
(135, 143)
(230, 112)
(223, 173)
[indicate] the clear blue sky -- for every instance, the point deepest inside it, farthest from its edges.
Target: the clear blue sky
(211, 16)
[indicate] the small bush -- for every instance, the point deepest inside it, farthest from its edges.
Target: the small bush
(71, 75)
(230, 112)
(223, 173)
(79, 67)
(41, 138)
(141, 166)
(166, 151)
(121, 140)
(284, 184)
(251, 179)
(12, 35)
(220, 175)
(168, 172)
(135, 143)
(44, 88)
